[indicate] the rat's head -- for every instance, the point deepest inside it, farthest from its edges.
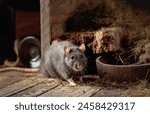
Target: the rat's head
(75, 58)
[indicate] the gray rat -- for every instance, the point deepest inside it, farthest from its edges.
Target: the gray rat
(64, 60)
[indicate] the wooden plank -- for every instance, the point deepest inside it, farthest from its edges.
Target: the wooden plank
(48, 93)
(3, 78)
(65, 91)
(68, 91)
(45, 9)
(60, 19)
(84, 91)
(60, 91)
(58, 30)
(64, 7)
(109, 93)
(8, 80)
(38, 89)
(80, 90)
(10, 77)
(20, 86)
(90, 92)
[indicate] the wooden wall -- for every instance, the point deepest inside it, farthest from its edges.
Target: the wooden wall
(54, 14)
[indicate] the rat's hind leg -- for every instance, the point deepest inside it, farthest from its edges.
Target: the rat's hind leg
(43, 70)
(45, 73)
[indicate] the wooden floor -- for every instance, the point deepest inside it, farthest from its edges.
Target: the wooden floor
(17, 84)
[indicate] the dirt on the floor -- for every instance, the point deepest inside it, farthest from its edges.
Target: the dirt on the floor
(140, 88)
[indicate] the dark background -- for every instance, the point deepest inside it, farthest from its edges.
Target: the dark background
(17, 20)
(31, 5)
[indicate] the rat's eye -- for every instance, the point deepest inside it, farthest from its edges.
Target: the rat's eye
(72, 57)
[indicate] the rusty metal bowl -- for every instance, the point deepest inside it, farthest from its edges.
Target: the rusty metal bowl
(122, 73)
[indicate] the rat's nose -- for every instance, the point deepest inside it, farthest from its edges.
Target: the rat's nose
(78, 65)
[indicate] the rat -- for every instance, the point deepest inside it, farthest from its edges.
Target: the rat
(64, 60)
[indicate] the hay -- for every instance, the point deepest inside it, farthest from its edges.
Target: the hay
(93, 16)
(109, 40)
(102, 40)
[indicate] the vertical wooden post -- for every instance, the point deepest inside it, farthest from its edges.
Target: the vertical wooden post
(45, 13)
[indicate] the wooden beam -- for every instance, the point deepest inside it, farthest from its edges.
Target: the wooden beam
(45, 9)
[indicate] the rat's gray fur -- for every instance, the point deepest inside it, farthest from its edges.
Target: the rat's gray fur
(57, 64)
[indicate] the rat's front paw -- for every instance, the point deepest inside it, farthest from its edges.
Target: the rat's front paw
(72, 84)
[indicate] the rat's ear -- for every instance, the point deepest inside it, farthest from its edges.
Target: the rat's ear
(67, 50)
(82, 47)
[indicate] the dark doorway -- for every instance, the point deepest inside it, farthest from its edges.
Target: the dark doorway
(18, 19)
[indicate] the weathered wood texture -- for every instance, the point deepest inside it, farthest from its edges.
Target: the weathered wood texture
(61, 11)
(45, 9)
(38, 89)
(21, 86)
(54, 14)
(15, 84)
